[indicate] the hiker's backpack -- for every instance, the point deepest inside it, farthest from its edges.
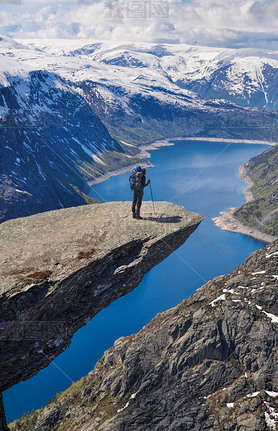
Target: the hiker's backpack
(135, 178)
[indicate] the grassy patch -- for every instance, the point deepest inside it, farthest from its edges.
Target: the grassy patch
(73, 393)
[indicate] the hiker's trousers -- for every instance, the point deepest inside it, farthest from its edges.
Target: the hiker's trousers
(137, 201)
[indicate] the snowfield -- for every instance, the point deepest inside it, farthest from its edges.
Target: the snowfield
(139, 67)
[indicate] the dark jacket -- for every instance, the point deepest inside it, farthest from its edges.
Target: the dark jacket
(143, 183)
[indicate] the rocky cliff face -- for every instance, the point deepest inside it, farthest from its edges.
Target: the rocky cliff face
(3, 424)
(208, 364)
(58, 269)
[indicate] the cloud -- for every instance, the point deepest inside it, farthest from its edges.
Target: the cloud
(237, 23)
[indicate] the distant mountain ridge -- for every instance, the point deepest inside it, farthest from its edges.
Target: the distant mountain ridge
(247, 77)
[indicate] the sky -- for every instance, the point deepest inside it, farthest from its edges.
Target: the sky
(222, 23)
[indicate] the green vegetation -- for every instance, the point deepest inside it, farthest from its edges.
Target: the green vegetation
(89, 170)
(26, 422)
(117, 160)
(262, 213)
(167, 122)
(135, 134)
(73, 393)
(85, 197)
(60, 182)
(79, 395)
(150, 129)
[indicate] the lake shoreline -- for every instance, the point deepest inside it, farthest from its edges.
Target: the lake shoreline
(144, 153)
(232, 141)
(227, 221)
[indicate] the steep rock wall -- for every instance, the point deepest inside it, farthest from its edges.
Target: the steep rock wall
(208, 364)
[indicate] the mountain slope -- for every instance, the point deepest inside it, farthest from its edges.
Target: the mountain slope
(209, 363)
(142, 86)
(247, 77)
(49, 138)
(262, 211)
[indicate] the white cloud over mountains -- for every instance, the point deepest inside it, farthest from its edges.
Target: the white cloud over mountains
(229, 23)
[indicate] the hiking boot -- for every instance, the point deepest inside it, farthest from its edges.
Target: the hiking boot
(134, 215)
(139, 217)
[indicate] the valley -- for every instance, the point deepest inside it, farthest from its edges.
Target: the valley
(69, 114)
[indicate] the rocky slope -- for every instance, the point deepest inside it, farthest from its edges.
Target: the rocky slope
(208, 364)
(262, 210)
(60, 268)
(259, 216)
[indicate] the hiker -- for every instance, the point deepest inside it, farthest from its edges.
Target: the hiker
(137, 182)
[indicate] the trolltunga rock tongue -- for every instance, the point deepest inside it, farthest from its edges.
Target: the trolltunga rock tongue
(59, 268)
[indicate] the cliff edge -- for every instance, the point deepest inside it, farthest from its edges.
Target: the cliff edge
(59, 268)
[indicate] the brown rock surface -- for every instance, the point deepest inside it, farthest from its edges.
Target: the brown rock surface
(59, 268)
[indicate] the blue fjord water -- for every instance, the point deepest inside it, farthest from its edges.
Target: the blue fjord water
(202, 177)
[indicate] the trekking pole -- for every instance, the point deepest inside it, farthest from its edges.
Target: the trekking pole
(152, 197)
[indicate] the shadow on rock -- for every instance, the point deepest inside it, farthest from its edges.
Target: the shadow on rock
(162, 219)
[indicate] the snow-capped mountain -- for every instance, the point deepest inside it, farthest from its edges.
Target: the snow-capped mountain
(65, 107)
(8, 43)
(247, 77)
(49, 140)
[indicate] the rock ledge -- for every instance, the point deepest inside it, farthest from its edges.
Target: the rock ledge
(59, 268)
